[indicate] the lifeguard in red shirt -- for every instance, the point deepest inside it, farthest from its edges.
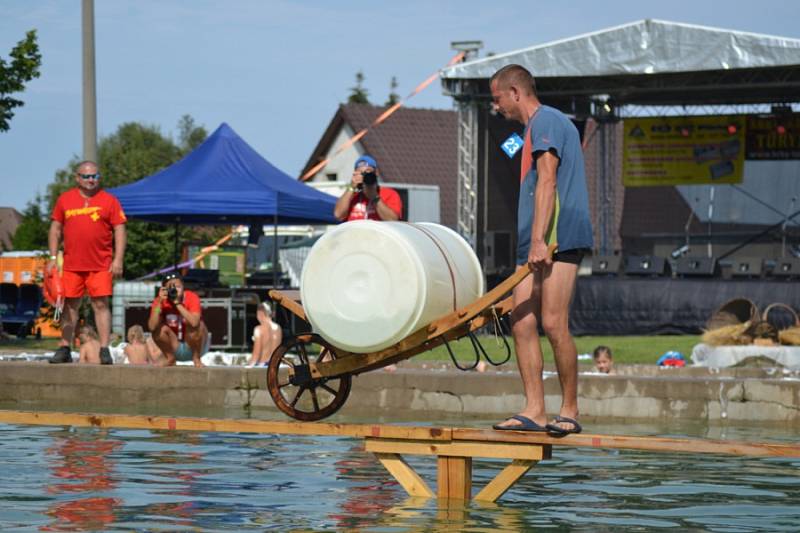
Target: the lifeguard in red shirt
(365, 199)
(176, 323)
(92, 223)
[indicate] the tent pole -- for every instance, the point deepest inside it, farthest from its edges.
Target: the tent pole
(275, 249)
(177, 259)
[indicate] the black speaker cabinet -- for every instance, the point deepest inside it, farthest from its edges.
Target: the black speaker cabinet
(606, 265)
(747, 267)
(646, 265)
(786, 268)
(225, 319)
(697, 267)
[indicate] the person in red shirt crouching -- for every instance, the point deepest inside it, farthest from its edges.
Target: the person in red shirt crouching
(176, 323)
(365, 199)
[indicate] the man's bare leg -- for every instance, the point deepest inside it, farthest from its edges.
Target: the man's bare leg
(69, 319)
(528, 348)
(195, 339)
(167, 342)
(102, 318)
(557, 289)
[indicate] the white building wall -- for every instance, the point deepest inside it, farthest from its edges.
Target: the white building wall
(342, 164)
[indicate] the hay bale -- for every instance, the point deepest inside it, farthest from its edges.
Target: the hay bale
(790, 336)
(780, 316)
(763, 330)
(734, 334)
(733, 312)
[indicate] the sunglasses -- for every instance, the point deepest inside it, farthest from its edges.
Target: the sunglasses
(89, 176)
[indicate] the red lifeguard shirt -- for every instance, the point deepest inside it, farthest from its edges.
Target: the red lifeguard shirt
(361, 209)
(172, 318)
(88, 229)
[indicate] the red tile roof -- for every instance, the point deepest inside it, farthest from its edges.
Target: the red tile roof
(412, 146)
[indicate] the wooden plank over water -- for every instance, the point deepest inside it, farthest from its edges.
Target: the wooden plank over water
(225, 425)
(384, 431)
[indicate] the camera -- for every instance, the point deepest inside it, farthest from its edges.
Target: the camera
(172, 294)
(370, 178)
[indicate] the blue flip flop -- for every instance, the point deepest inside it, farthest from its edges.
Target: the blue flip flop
(525, 424)
(557, 431)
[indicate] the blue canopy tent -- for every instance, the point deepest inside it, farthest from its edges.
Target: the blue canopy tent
(225, 181)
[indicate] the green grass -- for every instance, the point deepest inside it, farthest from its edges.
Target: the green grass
(627, 350)
(17, 345)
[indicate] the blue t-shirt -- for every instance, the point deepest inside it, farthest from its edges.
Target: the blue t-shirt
(551, 130)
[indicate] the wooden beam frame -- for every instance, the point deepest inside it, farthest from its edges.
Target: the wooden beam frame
(454, 463)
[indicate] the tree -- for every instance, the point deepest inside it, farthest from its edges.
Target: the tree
(393, 96)
(24, 66)
(31, 233)
(131, 153)
(358, 94)
(189, 135)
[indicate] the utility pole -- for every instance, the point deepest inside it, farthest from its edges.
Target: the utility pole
(89, 91)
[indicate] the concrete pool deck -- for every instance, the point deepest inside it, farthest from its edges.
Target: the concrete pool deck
(429, 388)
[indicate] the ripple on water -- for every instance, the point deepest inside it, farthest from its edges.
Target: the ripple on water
(78, 479)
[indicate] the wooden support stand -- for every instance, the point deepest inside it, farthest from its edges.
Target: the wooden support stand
(454, 465)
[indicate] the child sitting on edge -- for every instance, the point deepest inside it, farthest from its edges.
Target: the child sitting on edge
(136, 350)
(603, 360)
(90, 345)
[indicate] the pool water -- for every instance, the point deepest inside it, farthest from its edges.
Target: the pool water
(77, 479)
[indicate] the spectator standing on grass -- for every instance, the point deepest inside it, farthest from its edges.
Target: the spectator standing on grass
(92, 224)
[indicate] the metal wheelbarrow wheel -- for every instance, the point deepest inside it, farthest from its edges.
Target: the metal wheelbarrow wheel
(294, 390)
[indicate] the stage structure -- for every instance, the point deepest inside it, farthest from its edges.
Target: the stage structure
(648, 68)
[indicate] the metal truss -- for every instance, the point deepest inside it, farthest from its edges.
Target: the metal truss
(467, 190)
(642, 111)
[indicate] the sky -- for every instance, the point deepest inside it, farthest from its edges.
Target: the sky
(276, 70)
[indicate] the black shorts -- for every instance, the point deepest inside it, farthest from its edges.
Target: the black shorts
(573, 257)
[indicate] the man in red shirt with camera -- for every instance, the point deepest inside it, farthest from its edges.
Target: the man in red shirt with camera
(176, 322)
(365, 199)
(92, 223)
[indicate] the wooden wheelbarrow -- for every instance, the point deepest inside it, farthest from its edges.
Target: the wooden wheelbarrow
(309, 379)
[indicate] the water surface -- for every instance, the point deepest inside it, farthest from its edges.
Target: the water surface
(77, 479)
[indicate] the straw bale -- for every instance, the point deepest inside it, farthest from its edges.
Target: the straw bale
(790, 336)
(734, 334)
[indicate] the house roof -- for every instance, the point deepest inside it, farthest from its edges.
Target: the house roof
(413, 145)
(10, 219)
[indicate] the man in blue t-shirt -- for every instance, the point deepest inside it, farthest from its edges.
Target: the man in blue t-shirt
(554, 232)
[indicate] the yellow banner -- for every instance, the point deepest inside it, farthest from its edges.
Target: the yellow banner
(683, 150)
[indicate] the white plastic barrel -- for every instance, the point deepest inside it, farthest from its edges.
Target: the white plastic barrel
(366, 285)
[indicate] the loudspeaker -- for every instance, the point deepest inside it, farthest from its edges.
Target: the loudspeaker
(646, 265)
(786, 268)
(606, 265)
(225, 319)
(202, 277)
(697, 266)
(747, 267)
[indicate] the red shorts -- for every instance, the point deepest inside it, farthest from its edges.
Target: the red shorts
(97, 283)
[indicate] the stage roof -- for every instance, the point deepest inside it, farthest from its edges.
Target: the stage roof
(648, 62)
